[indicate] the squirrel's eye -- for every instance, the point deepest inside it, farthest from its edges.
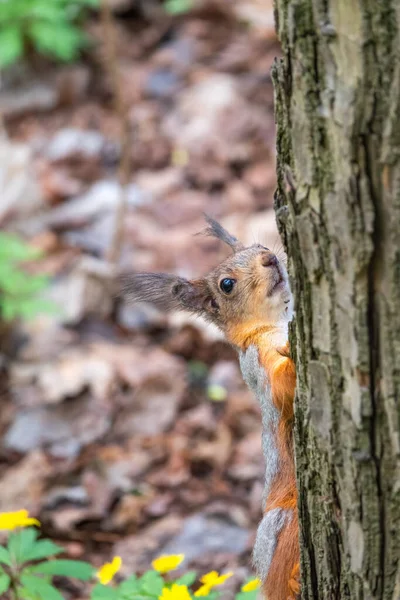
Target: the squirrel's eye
(227, 284)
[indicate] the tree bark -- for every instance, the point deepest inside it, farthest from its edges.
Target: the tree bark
(338, 210)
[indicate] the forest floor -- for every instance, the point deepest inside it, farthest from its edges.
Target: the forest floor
(124, 430)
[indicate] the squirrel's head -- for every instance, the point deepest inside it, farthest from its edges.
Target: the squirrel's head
(249, 289)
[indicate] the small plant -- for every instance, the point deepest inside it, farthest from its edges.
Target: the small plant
(176, 7)
(28, 565)
(48, 26)
(25, 569)
(19, 291)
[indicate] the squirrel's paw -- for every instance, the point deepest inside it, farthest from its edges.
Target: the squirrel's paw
(294, 583)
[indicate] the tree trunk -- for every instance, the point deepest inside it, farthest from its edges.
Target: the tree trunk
(338, 209)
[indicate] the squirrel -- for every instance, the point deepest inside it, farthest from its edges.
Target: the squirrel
(248, 297)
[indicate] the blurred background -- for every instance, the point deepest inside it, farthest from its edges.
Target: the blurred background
(124, 430)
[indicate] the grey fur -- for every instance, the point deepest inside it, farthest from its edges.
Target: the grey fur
(167, 292)
(255, 377)
(156, 288)
(274, 520)
(267, 538)
(216, 230)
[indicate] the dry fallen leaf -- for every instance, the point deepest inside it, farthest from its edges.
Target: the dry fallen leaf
(22, 486)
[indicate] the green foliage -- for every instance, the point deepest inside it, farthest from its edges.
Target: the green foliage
(49, 26)
(177, 7)
(66, 568)
(28, 565)
(253, 595)
(5, 581)
(149, 586)
(19, 291)
(187, 579)
(34, 581)
(103, 592)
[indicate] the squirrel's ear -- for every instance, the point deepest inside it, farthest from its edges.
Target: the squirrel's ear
(195, 296)
(167, 292)
(216, 230)
(155, 288)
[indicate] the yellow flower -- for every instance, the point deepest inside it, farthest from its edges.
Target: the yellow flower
(166, 563)
(204, 590)
(251, 585)
(20, 518)
(106, 573)
(209, 580)
(176, 592)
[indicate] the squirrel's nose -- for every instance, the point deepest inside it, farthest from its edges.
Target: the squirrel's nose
(268, 259)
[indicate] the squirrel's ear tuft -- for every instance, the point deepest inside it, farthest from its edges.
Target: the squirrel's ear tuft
(167, 292)
(216, 230)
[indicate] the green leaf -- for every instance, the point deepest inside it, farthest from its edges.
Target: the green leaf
(136, 596)
(67, 568)
(5, 581)
(62, 40)
(40, 587)
(11, 45)
(29, 308)
(253, 595)
(132, 583)
(42, 549)
(5, 557)
(187, 579)
(91, 3)
(52, 27)
(19, 283)
(8, 310)
(48, 12)
(21, 543)
(14, 248)
(177, 7)
(151, 583)
(103, 592)
(25, 594)
(128, 587)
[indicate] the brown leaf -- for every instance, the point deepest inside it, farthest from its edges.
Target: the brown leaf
(22, 486)
(137, 551)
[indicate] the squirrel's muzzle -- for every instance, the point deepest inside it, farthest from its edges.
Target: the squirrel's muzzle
(268, 259)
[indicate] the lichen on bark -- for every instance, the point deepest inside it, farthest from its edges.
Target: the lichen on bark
(338, 209)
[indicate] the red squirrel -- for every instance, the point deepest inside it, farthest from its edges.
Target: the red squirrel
(248, 297)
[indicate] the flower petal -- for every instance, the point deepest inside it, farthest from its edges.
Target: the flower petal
(204, 590)
(209, 578)
(19, 518)
(251, 585)
(168, 562)
(106, 573)
(223, 578)
(176, 592)
(212, 578)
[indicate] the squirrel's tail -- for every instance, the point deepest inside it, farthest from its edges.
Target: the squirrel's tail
(283, 579)
(277, 553)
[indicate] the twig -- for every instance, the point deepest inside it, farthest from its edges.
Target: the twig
(111, 68)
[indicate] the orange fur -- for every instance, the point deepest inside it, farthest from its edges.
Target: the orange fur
(248, 334)
(283, 577)
(282, 582)
(255, 311)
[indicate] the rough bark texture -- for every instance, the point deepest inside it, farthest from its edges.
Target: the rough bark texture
(338, 209)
